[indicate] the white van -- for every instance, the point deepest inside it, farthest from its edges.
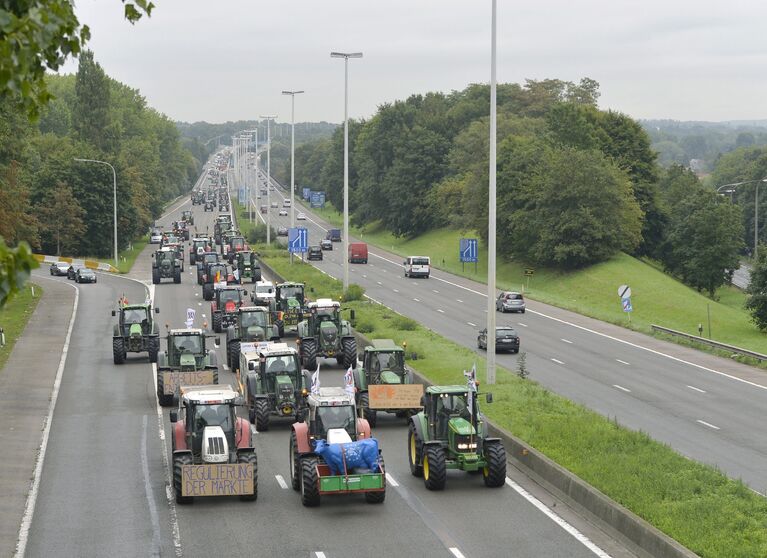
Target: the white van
(417, 266)
(286, 202)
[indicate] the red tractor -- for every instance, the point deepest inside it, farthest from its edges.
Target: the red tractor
(223, 309)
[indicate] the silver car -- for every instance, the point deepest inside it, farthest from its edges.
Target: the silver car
(510, 301)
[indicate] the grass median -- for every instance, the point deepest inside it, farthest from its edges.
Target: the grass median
(710, 514)
(15, 315)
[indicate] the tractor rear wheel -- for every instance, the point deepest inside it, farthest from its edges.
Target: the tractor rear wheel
(367, 413)
(217, 322)
(262, 415)
(350, 352)
(309, 353)
(179, 461)
(118, 350)
(207, 291)
(414, 451)
(494, 472)
(377, 497)
(154, 348)
(280, 327)
(233, 356)
(162, 399)
(250, 457)
(434, 469)
(155, 275)
(295, 462)
(310, 485)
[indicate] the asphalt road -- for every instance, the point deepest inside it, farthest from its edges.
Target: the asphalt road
(104, 489)
(707, 408)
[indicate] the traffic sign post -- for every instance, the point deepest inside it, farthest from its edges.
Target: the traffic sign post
(624, 291)
(298, 241)
(529, 273)
(468, 252)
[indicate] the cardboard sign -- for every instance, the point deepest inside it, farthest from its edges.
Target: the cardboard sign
(172, 380)
(217, 479)
(404, 396)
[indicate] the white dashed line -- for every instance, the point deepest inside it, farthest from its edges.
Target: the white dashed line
(396, 290)
(704, 423)
(226, 367)
(459, 300)
(471, 324)
(440, 310)
(435, 290)
(455, 552)
(281, 482)
(199, 304)
(365, 276)
(567, 341)
(697, 389)
(616, 386)
(622, 362)
(520, 323)
(378, 282)
(319, 554)
(557, 361)
(391, 480)
(415, 299)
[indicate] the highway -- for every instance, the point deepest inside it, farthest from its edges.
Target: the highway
(707, 408)
(105, 486)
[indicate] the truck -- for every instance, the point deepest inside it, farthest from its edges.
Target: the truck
(358, 252)
(334, 235)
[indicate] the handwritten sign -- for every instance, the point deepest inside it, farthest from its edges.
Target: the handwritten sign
(404, 396)
(172, 380)
(217, 479)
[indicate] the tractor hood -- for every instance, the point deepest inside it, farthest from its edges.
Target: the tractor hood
(187, 361)
(285, 394)
(389, 377)
(135, 330)
(255, 333)
(328, 333)
(461, 426)
(214, 446)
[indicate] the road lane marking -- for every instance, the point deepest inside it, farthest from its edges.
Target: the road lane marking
(557, 361)
(622, 362)
(415, 299)
(226, 367)
(319, 554)
(199, 304)
(378, 282)
(567, 341)
(471, 324)
(520, 323)
(281, 482)
(704, 423)
(391, 480)
(459, 300)
(435, 290)
(365, 276)
(396, 290)
(616, 386)
(440, 310)
(697, 389)
(455, 552)
(154, 520)
(580, 537)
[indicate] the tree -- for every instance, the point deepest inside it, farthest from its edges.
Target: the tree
(16, 264)
(17, 222)
(91, 115)
(757, 292)
(62, 218)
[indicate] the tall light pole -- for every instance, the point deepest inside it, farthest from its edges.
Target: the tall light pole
(292, 154)
(732, 187)
(346, 56)
(248, 172)
(114, 199)
(491, 214)
(269, 118)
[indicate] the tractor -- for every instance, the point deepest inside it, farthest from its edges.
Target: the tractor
(249, 324)
(213, 453)
(325, 334)
(135, 332)
(451, 433)
(187, 216)
(290, 302)
(273, 383)
(178, 248)
(223, 308)
(331, 418)
(180, 229)
(186, 362)
(166, 266)
(216, 274)
(202, 261)
(198, 247)
(223, 223)
(383, 364)
(247, 266)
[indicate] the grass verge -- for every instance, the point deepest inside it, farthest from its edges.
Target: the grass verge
(15, 315)
(710, 514)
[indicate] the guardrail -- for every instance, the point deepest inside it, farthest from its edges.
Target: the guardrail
(91, 264)
(715, 344)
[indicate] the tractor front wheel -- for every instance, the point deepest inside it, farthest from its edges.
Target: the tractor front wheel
(309, 353)
(414, 451)
(154, 348)
(163, 399)
(217, 322)
(310, 485)
(434, 469)
(118, 350)
(155, 275)
(178, 462)
(367, 413)
(280, 327)
(494, 472)
(295, 462)
(350, 352)
(233, 356)
(262, 415)
(250, 457)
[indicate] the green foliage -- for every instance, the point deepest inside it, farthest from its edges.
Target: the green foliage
(354, 292)
(756, 303)
(16, 264)
(404, 323)
(14, 317)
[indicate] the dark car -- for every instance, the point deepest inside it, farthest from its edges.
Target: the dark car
(59, 268)
(72, 271)
(85, 275)
(506, 339)
(315, 253)
(510, 302)
(282, 231)
(326, 244)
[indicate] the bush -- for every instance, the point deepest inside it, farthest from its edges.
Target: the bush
(354, 292)
(404, 323)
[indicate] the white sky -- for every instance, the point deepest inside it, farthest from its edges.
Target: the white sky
(219, 60)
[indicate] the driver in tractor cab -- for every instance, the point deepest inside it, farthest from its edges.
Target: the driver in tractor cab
(187, 344)
(212, 415)
(447, 408)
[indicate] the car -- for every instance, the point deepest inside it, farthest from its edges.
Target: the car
(264, 209)
(510, 301)
(283, 212)
(300, 216)
(282, 231)
(326, 244)
(315, 253)
(274, 204)
(85, 275)
(59, 268)
(155, 236)
(72, 271)
(506, 339)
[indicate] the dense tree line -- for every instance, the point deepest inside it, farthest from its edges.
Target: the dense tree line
(62, 206)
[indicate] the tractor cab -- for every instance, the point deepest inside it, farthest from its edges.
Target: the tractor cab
(450, 418)
(186, 349)
(209, 418)
(216, 273)
(290, 296)
(332, 415)
(384, 363)
(186, 215)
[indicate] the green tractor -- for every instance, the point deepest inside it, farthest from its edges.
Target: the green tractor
(383, 364)
(187, 216)
(251, 324)
(186, 361)
(247, 267)
(325, 334)
(135, 332)
(450, 433)
(166, 265)
(290, 302)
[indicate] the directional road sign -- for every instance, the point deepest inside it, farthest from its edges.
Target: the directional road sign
(317, 199)
(627, 305)
(468, 250)
(298, 240)
(624, 291)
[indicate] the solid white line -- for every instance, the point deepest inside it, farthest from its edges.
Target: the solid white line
(520, 323)
(459, 300)
(415, 299)
(154, 520)
(557, 361)
(621, 388)
(281, 482)
(580, 537)
(226, 366)
(455, 552)
(567, 341)
(697, 389)
(622, 362)
(378, 282)
(29, 508)
(704, 423)
(391, 480)
(471, 324)
(440, 310)
(365, 276)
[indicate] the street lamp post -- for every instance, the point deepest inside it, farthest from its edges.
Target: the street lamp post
(269, 118)
(114, 200)
(292, 154)
(491, 211)
(346, 56)
(732, 188)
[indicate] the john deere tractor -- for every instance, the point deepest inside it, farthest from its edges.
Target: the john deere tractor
(383, 364)
(290, 305)
(450, 433)
(166, 266)
(186, 361)
(135, 332)
(250, 324)
(325, 334)
(247, 266)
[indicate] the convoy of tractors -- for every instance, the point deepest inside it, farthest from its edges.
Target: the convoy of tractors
(332, 447)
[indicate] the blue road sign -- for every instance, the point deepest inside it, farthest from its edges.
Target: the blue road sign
(298, 240)
(307, 193)
(317, 199)
(627, 304)
(468, 250)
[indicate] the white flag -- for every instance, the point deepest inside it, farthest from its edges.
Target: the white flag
(190, 315)
(316, 381)
(349, 381)
(471, 385)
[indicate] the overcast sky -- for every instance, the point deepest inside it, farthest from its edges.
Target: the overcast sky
(219, 60)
